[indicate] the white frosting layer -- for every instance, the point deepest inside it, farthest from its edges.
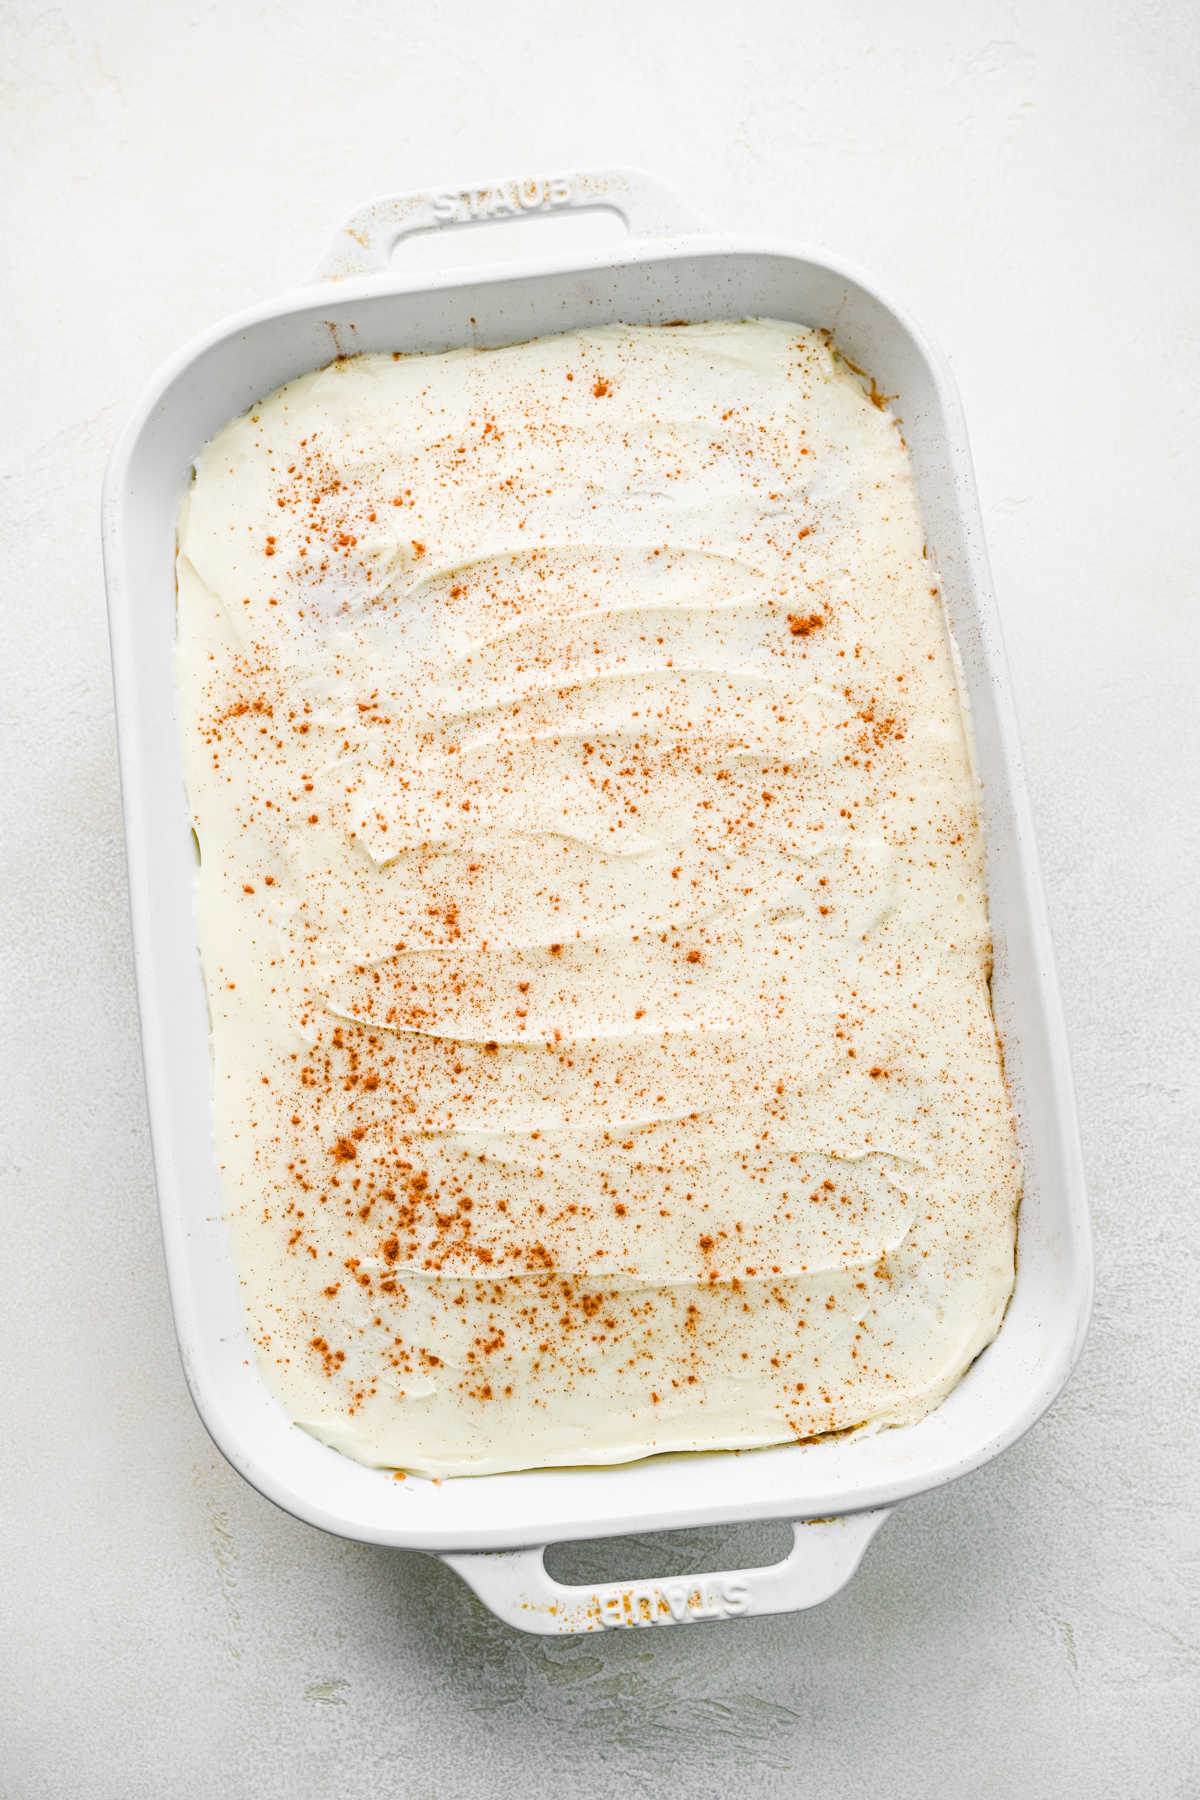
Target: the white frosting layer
(591, 903)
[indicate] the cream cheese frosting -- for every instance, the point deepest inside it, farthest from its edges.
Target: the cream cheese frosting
(591, 903)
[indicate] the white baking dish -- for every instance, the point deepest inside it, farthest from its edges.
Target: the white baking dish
(492, 1528)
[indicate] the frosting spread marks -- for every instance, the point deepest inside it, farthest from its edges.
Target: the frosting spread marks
(590, 902)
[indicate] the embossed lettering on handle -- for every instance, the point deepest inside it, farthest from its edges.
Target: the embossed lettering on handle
(517, 1587)
(672, 1602)
(506, 201)
(365, 244)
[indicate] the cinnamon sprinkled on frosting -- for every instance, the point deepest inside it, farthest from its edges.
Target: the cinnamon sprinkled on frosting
(591, 903)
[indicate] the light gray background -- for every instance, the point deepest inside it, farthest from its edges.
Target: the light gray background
(1025, 174)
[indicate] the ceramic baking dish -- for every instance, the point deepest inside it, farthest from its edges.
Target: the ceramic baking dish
(492, 1529)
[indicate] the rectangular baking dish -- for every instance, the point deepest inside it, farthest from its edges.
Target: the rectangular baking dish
(493, 1528)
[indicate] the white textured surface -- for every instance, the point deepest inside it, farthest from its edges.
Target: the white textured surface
(1025, 176)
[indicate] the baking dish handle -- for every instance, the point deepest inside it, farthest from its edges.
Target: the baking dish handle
(365, 243)
(515, 1585)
